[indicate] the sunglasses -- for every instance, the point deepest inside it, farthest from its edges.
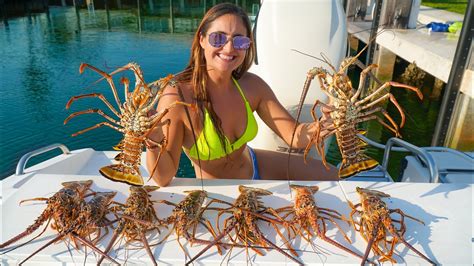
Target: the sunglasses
(219, 39)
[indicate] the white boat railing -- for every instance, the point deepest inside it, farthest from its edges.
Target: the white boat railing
(20, 167)
(407, 147)
(437, 172)
(420, 152)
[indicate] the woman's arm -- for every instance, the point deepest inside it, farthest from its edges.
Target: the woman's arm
(278, 118)
(172, 133)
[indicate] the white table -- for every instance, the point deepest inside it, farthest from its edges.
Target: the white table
(446, 210)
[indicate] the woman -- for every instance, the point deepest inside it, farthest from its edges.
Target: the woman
(217, 82)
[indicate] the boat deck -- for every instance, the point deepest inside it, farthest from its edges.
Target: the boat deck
(443, 208)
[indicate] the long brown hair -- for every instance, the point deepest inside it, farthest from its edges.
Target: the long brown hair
(196, 72)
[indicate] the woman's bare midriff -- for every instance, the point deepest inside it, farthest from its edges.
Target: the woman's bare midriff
(237, 165)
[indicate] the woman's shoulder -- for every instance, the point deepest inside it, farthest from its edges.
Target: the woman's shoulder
(255, 88)
(175, 91)
(251, 77)
(253, 82)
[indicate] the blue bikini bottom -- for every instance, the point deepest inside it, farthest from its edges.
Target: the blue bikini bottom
(256, 175)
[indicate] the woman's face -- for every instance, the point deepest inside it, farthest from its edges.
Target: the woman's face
(225, 58)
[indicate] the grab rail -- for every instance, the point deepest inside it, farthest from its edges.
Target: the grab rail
(423, 154)
(378, 145)
(401, 149)
(20, 167)
(435, 177)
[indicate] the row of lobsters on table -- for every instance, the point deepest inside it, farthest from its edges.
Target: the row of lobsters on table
(85, 217)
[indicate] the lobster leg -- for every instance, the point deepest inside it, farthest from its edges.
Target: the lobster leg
(96, 126)
(156, 118)
(412, 248)
(41, 248)
(219, 237)
(401, 85)
(91, 111)
(34, 199)
(209, 228)
(336, 244)
(362, 81)
(167, 202)
(162, 146)
(108, 77)
(112, 242)
(394, 101)
(98, 95)
(286, 242)
(313, 140)
(126, 84)
(147, 248)
(406, 215)
(280, 250)
(89, 244)
(370, 243)
(394, 127)
(380, 121)
(385, 85)
(321, 147)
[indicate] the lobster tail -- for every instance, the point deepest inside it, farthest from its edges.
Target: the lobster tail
(121, 173)
(360, 163)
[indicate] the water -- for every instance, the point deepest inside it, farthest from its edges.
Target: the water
(39, 74)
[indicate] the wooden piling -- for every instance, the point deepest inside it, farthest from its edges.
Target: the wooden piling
(78, 16)
(27, 8)
(4, 12)
(107, 13)
(139, 20)
(385, 60)
(46, 7)
(171, 24)
(151, 6)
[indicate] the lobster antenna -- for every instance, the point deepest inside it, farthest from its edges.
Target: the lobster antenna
(304, 92)
(324, 59)
(191, 124)
(328, 62)
(354, 58)
(192, 131)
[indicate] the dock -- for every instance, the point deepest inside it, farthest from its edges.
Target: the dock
(433, 52)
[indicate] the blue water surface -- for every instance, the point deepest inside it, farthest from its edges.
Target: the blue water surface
(39, 74)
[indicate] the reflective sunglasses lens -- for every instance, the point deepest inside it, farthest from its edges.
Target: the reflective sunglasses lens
(217, 39)
(241, 42)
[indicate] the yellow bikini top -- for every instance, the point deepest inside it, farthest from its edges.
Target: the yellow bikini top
(208, 144)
